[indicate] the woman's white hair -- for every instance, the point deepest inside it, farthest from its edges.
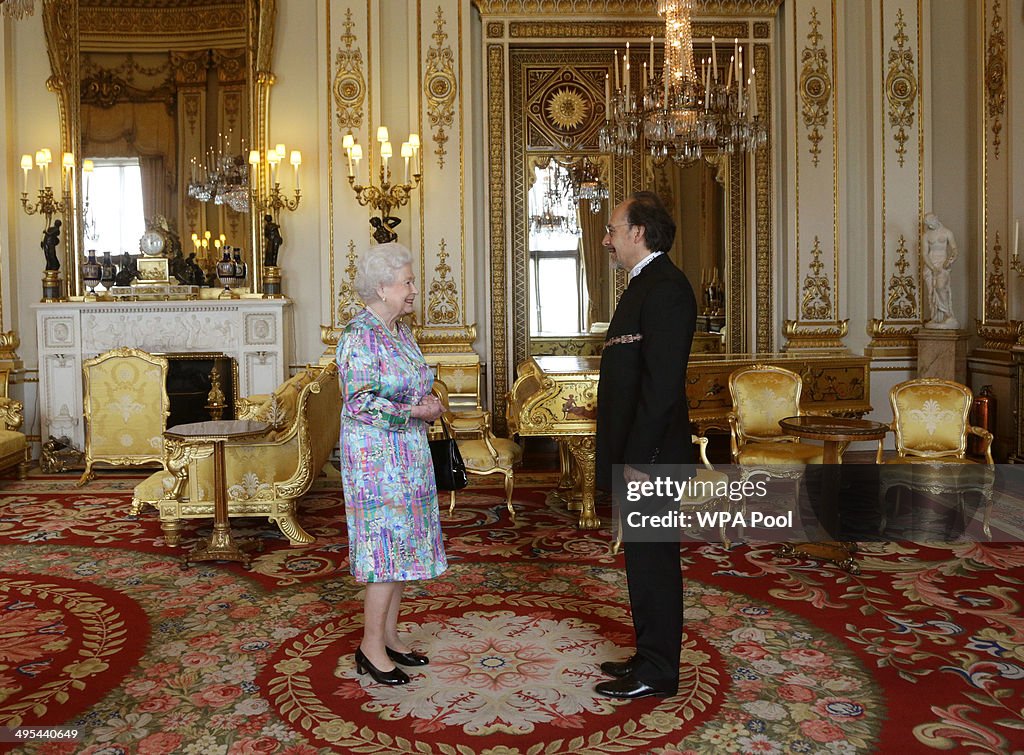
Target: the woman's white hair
(377, 268)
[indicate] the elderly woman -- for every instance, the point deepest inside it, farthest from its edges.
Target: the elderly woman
(391, 508)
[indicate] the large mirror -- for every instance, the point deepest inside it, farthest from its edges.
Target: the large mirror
(571, 289)
(162, 100)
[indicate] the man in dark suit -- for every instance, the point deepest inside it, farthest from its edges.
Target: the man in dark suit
(643, 421)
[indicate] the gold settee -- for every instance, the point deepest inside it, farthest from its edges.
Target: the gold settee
(264, 477)
(14, 449)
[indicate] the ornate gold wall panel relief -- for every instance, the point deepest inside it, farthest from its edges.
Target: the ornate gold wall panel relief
(625, 29)
(349, 87)
(995, 77)
(901, 87)
(497, 213)
(762, 30)
(816, 302)
(591, 8)
(901, 303)
(815, 87)
(443, 297)
(564, 105)
(349, 302)
(495, 30)
(440, 87)
(995, 284)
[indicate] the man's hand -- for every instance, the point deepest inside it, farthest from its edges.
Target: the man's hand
(634, 475)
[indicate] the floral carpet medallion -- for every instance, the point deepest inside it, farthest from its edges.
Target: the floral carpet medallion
(101, 629)
(753, 678)
(61, 641)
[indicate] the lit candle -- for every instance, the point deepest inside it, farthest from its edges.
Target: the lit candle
(406, 154)
(346, 143)
(417, 158)
(357, 155)
(707, 89)
(26, 160)
(752, 93)
(1016, 239)
(732, 62)
(385, 154)
(87, 166)
(296, 160)
(645, 77)
(739, 78)
(616, 67)
(607, 112)
(714, 61)
(67, 172)
(650, 62)
(625, 74)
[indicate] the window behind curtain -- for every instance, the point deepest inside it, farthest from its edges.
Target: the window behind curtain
(115, 219)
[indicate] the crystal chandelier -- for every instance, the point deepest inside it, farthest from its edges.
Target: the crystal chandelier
(222, 179)
(548, 221)
(681, 115)
(586, 183)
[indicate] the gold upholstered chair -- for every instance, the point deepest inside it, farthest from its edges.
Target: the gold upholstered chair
(126, 409)
(14, 449)
(482, 451)
(931, 428)
(761, 396)
(466, 411)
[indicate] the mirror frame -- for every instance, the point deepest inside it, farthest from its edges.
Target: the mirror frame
(61, 30)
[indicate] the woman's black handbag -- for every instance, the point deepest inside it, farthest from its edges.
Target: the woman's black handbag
(449, 468)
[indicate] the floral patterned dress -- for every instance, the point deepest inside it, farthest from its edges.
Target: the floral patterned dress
(394, 528)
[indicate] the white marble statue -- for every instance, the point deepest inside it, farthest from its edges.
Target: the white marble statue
(939, 252)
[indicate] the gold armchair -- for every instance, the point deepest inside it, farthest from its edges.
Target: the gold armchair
(463, 384)
(761, 396)
(264, 477)
(931, 428)
(483, 454)
(14, 449)
(126, 408)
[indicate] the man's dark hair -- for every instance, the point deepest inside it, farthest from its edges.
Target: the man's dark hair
(646, 209)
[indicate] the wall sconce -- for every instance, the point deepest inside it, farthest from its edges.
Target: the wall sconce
(270, 201)
(1015, 259)
(385, 196)
(47, 205)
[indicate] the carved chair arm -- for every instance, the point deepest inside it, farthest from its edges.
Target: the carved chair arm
(987, 437)
(245, 408)
(11, 413)
(734, 433)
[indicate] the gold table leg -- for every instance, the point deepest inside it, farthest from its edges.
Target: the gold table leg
(584, 448)
(221, 546)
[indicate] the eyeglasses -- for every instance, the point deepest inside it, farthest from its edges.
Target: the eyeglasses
(611, 228)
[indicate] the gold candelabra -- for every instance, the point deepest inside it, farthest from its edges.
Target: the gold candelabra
(47, 205)
(273, 200)
(385, 196)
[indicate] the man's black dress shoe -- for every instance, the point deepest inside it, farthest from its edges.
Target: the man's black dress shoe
(629, 688)
(619, 669)
(411, 658)
(394, 676)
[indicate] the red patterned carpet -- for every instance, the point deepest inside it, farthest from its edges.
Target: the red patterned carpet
(101, 629)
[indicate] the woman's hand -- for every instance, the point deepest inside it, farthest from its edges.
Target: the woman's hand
(428, 409)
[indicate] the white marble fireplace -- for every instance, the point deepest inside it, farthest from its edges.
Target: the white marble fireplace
(255, 332)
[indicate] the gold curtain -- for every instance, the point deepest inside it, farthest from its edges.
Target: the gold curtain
(594, 261)
(137, 129)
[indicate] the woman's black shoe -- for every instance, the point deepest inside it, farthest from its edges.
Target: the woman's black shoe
(394, 676)
(411, 658)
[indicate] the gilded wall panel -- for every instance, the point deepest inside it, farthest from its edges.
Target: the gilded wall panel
(997, 324)
(898, 92)
(814, 301)
(590, 8)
